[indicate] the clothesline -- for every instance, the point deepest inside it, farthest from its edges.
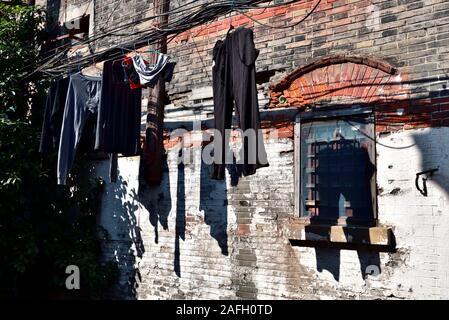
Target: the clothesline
(207, 12)
(59, 64)
(186, 7)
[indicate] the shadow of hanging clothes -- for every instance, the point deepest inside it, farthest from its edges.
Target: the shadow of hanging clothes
(235, 171)
(328, 254)
(126, 240)
(180, 225)
(214, 203)
(156, 199)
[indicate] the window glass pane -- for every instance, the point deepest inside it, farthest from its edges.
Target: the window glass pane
(336, 169)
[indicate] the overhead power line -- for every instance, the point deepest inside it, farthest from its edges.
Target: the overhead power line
(183, 18)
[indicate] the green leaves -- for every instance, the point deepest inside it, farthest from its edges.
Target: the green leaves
(21, 34)
(43, 227)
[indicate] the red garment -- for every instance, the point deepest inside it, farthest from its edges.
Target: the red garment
(133, 77)
(151, 158)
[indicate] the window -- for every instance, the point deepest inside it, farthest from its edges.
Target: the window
(78, 28)
(335, 167)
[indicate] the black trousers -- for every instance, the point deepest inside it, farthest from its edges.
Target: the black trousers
(234, 81)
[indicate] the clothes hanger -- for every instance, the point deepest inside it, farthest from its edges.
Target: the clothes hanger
(135, 52)
(154, 50)
(151, 50)
(231, 26)
(95, 66)
(123, 51)
(148, 50)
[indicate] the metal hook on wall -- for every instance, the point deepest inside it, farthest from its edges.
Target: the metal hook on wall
(428, 173)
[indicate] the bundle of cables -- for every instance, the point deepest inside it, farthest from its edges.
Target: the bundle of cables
(182, 18)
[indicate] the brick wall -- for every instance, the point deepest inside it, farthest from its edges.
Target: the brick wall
(193, 237)
(196, 238)
(410, 35)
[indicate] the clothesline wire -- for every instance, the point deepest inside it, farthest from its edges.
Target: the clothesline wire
(197, 50)
(286, 26)
(110, 15)
(103, 34)
(245, 4)
(111, 32)
(375, 140)
(208, 12)
(171, 12)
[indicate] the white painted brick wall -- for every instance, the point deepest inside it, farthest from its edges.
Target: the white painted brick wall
(417, 270)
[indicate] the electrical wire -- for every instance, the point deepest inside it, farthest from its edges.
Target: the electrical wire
(152, 17)
(155, 16)
(110, 15)
(283, 27)
(58, 63)
(197, 51)
(105, 34)
(376, 141)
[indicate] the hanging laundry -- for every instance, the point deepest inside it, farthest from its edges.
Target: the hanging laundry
(131, 73)
(151, 158)
(83, 99)
(234, 81)
(149, 74)
(119, 116)
(53, 114)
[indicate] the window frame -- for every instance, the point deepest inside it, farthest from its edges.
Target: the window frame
(323, 115)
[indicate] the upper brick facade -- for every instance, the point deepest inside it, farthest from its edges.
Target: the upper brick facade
(412, 36)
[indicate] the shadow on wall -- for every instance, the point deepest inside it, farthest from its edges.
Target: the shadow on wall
(155, 201)
(433, 147)
(214, 204)
(337, 185)
(180, 226)
(125, 241)
(328, 258)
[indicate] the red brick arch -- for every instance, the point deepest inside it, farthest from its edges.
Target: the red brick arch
(340, 79)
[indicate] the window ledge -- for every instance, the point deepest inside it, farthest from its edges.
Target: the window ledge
(376, 236)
